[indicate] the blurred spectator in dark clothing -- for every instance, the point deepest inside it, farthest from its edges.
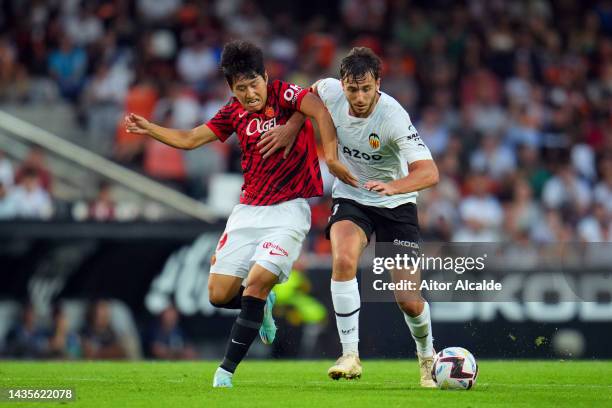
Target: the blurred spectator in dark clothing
(103, 207)
(63, 343)
(167, 340)
(68, 65)
(35, 160)
(100, 341)
(27, 339)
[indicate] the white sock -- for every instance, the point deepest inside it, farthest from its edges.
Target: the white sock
(420, 328)
(347, 302)
(221, 370)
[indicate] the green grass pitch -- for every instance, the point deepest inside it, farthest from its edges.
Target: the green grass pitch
(305, 384)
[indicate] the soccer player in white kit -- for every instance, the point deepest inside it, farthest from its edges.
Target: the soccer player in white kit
(381, 147)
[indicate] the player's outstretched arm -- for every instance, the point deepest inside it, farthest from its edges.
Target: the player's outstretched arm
(313, 107)
(422, 174)
(181, 139)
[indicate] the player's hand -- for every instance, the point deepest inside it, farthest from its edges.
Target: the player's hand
(277, 138)
(384, 189)
(136, 124)
(339, 170)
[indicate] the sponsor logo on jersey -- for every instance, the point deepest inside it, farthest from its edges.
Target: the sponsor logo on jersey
(356, 154)
(258, 126)
(416, 139)
(291, 93)
(374, 141)
(270, 112)
(275, 249)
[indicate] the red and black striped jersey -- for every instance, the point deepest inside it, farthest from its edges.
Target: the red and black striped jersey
(274, 179)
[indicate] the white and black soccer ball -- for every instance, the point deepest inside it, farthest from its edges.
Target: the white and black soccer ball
(454, 368)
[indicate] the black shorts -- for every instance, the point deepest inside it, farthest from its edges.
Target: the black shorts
(399, 225)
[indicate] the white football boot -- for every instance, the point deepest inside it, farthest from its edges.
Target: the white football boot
(425, 365)
(347, 366)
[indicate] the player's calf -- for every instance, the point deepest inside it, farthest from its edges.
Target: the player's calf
(411, 308)
(244, 331)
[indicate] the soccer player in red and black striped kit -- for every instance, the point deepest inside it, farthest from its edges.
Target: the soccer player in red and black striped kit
(264, 233)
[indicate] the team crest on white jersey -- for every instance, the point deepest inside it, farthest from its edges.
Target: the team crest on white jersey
(374, 141)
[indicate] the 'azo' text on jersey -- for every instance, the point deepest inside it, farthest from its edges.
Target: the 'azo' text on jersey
(356, 154)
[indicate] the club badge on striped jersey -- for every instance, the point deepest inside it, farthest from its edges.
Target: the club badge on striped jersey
(374, 141)
(270, 112)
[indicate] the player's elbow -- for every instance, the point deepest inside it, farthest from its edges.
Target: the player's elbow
(428, 172)
(433, 176)
(190, 142)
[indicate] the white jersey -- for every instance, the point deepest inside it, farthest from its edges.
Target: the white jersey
(378, 147)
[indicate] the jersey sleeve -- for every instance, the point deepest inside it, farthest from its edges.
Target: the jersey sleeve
(329, 90)
(222, 124)
(403, 133)
(289, 95)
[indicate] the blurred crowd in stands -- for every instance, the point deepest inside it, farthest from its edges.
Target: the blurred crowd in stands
(34, 335)
(514, 98)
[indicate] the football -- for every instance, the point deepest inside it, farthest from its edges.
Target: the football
(454, 368)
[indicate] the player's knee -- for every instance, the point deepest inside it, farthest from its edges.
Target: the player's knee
(217, 297)
(345, 266)
(412, 308)
(257, 288)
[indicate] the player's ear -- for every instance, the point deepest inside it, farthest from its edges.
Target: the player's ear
(378, 85)
(265, 77)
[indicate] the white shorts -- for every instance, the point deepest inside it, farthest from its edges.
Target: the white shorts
(271, 234)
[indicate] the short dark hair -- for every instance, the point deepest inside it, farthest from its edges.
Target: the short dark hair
(358, 63)
(241, 59)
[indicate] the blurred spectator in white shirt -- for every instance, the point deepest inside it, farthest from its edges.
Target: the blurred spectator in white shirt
(158, 10)
(7, 175)
(493, 158)
(583, 160)
(197, 61)
(566, 189)
(30, 199)
(8, 209)
(481, 213)
(603, 189)
(84, 27)
(597, 227)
